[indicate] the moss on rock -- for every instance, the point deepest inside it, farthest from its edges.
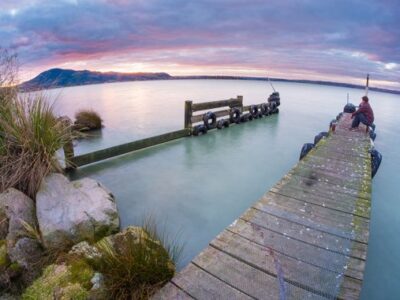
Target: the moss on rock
(4, 261)
(63, 281)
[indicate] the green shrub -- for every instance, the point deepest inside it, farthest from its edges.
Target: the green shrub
(135, 263)
(31, 135)
(88, 120)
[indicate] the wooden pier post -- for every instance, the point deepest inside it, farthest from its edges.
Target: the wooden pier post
(240, 99)
(68, 146)
(188, 114)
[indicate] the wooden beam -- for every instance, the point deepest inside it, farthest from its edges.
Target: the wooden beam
(217, 104)
(128, 147)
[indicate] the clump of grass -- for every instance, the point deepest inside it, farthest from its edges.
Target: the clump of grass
(88, 120)
(30, 136)
(136, 263)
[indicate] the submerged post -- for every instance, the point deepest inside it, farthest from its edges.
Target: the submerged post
(367, 85)
(188, 114)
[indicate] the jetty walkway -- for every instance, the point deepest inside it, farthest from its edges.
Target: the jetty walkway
(306, 238)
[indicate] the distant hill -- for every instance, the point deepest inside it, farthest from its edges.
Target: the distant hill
(55, 78)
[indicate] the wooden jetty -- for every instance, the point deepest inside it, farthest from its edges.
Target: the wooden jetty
(306, 238)
(73, 161)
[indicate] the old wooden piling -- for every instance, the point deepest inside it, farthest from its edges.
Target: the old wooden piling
(306, 238)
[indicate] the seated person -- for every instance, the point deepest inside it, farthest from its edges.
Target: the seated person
(363, 114)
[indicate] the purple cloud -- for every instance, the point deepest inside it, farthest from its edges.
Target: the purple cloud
(317, 39)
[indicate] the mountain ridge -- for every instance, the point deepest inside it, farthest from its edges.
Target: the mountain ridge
(57, 77)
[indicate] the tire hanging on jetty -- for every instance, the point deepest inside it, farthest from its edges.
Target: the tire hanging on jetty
(234, 115)
(372, 134)
(305, 149)
(199, 129)
(272, 107)
(349, 108)
(210, 116)
(223, 123)
(264, 109)
(376, 159)
(319, 136)
(244, 118)
(253, 110)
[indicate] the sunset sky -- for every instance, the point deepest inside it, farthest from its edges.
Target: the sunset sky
(339, 40)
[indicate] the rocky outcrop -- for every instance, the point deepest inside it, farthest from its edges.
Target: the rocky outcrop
(16, 211)
(20, 250)
(70, 212)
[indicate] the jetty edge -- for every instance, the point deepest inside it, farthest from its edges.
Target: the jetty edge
(307, 237)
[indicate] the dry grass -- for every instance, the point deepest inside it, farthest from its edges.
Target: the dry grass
(31, 135)
(136, 268)
(88, 120)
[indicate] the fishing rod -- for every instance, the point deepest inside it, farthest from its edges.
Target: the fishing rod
(367, 86)
(271, 84)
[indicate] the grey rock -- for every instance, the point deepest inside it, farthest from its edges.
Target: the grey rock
(84, 250)
(3, 224)
(26, 252)
(70, 212)
(16, 209)
(8, 297)
(97, 281)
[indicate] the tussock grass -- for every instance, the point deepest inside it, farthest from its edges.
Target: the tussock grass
(30, 137)
(138, 263)
(88, 120)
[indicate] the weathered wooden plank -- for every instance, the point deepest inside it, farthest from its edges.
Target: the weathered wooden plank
(171, 291)
(300, 250)
(304, 275)
(309, 235)
(308, 222)
(92, 157)
(233, 102)
(201, 285)
(244, 277)
(344, 203)
(323, 215)
(312, 185)
(334, 168)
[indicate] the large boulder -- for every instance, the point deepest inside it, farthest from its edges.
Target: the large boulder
(19, 240)
(70, 212)
(16, 212)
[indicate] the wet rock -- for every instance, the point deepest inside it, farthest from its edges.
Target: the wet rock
(70, 212)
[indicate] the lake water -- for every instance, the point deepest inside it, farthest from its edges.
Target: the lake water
(198, 186)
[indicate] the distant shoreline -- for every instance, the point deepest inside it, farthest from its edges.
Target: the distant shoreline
(59, 78)
(327, 83)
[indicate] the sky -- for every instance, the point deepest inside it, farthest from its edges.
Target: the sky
(331, 40)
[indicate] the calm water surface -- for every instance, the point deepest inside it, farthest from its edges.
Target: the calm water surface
(198, 186)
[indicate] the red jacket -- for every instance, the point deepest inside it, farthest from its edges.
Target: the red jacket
(366, 109)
